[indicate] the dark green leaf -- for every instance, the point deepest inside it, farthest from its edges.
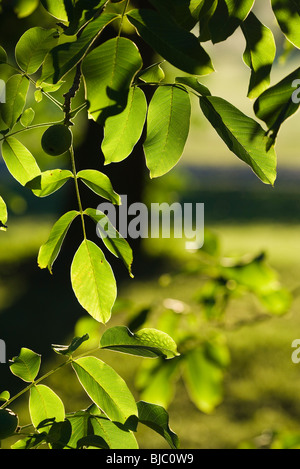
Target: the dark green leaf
(178, 46)
(64, 57)
(70, 349)
(184, 12)
(157, 418)
(227, 17)
(243, 136)
(287, 13)
(279, 102)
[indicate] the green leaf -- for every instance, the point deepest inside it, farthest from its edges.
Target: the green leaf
(259, 54)
(206, 13)
(152, 74)
(178, 46)
(45, 404)
(157, 418)
(150, 343)
(118, 145)
(72, 347)
(105, 388)
(93, 281)
(3, 215)
(184, 12)
(4, 396)
(30, 442)
(3, 56)
(112, 239)
(156, 381)
(116, 436)
(49, 182)
(100, 184)
(287, 13)
(243, 136)
(27, 117)
(203, 379)
(80, 422)
(56, 8)
(227, 17)
(83, 12)
(49, 251)
(168, 124)
(16, 92)
(193, 82)
(279, 102)
(26, 365)
(33, 47)
(108, 73)
(64, 57)
(24, 8)
(19, 161)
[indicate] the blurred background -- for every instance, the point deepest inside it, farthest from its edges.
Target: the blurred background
(252, 393)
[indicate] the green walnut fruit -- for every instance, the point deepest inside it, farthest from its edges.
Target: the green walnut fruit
(8, 423)
(56, 140)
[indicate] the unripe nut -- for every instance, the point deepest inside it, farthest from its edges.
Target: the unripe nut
(8, 423)
(56, 140)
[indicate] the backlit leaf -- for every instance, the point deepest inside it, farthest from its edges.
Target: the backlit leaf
(108, 73)
(122, 131)
(19, 161)
(49, 251)
(16, 92)
(26, 365)
(33, 47)
(45, 404)
(168, 124)
(93, 281)
(105, 388)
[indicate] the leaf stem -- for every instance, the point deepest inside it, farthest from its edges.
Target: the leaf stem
(74, 171)
(34, 383)
(122, 17)
(30, 127)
